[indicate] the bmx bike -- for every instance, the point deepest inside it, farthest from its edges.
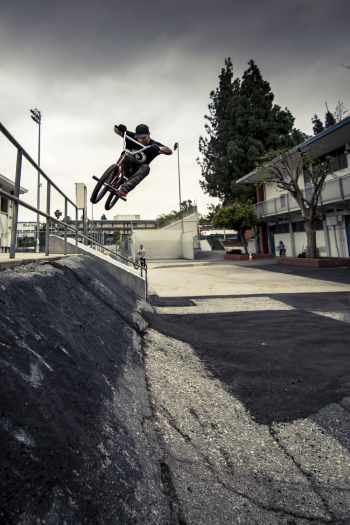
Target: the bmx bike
(138, 264)
(115, 176)
(283, 252)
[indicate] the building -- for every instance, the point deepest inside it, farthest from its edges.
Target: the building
(283, 220)
(6, 213)
(125, 224)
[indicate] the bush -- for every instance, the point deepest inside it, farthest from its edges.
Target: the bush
(234, 252)
(302, 255)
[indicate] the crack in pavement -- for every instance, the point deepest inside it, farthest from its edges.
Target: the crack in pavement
(197, 419)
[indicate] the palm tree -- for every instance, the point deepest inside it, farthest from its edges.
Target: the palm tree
(57, 214)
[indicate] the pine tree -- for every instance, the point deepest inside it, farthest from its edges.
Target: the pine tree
(317, 125)
(329, 120)
(243, 124)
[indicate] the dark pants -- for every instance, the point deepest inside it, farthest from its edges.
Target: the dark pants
(135, 174)
(143, 261)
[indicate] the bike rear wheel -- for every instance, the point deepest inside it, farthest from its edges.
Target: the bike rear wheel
(110, 201)
(100, 190)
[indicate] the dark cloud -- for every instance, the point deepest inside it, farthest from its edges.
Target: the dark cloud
(89, 64)
(107, 34)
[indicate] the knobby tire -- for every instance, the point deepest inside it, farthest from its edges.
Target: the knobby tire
(100, 190)
(110, 201)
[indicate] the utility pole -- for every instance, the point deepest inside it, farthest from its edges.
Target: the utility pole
(177, 147)
(36, 116)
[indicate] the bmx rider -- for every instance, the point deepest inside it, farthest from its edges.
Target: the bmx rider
(142, 254)
(141, 170)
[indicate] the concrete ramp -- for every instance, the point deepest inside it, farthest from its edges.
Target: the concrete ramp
(125, 274)
(77, 443)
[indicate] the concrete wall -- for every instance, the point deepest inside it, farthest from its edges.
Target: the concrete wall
(337, 240)
(168, 242)
(159, 244)
(187, 246)
(125, 274)
(205, 246)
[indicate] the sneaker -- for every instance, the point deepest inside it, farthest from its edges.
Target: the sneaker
(122, 194)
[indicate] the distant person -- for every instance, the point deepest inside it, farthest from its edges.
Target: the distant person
(142, 254)
(281, 248)
(141, 170)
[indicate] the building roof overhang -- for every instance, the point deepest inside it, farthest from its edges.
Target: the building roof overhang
(323, 143)
(8, 185)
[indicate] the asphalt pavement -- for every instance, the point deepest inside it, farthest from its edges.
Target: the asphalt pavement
(249, 371)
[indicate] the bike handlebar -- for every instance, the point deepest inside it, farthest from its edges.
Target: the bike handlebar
(132, 140)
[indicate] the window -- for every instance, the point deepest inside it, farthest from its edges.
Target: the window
(300, 226)
(307, 176)
(4, 205)
(283, 201)
(280, 228)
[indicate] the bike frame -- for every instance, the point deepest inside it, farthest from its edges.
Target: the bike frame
(120, 175)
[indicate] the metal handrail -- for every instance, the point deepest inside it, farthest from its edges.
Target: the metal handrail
(180, 216)
(18, 202)
(13, 141)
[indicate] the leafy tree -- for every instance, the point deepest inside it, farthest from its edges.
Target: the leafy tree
(116, 236)
(161, 220)
(285, 170)
(299, 137)
(329, 120)
(340, 111)
(67, 220)
(57, 214)
(186, 205)
(238, 216)
(212, 211)
(103, 218)
(317, 125)
(243, 123)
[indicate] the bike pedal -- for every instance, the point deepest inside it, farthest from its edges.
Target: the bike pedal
(96, 178)
(123, 198)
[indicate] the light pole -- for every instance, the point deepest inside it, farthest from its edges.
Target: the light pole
(177, 147)
(36, 116)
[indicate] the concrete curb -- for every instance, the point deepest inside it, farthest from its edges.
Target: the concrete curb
(128, 276)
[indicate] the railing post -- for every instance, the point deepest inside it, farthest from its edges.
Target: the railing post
(47, 236)
(15, 204)
(146, 277)
(65, 228)
(341, 189)
(76, 233)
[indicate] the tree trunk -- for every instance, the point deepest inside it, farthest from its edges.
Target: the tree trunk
(311, 252)
(244, 242)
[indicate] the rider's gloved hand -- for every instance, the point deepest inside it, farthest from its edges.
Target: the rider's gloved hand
(155, 147)
(122, 128)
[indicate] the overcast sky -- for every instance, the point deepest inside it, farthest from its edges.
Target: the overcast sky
(89, 64)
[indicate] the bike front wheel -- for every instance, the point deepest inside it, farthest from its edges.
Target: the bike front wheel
(100, 189)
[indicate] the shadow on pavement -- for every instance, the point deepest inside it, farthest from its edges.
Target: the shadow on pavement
(336, 275)
(282, 365)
